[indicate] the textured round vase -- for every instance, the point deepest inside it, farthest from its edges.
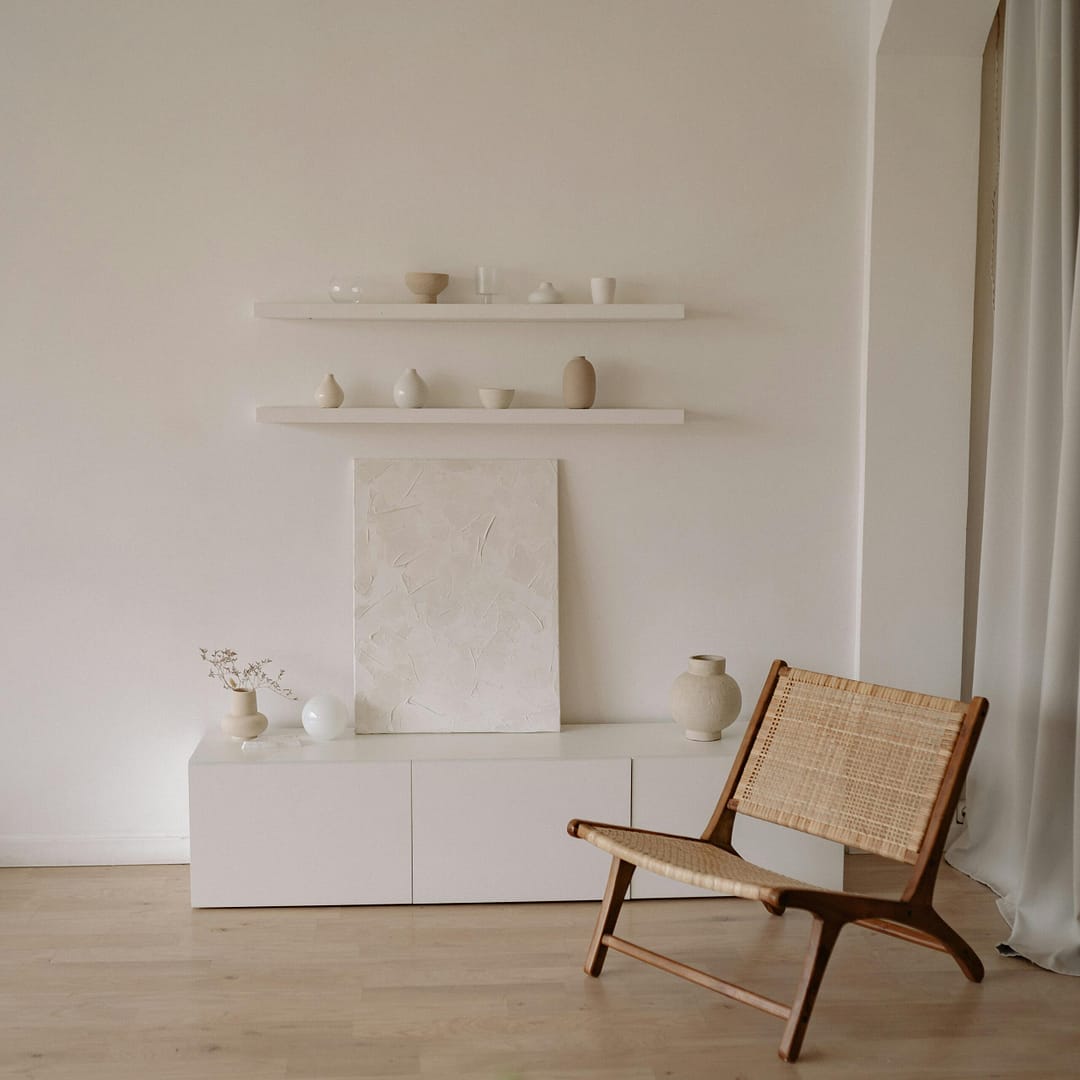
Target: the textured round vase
(329, 395)
(410, 391)
(705, 699)
(579, 384)
(243, 720)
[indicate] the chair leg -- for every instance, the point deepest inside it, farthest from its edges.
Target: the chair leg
(823, 937)
(964, 955)
(614, 894)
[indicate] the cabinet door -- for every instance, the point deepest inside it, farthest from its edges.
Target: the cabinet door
(678, 795)
(267, 835)
(496, 830)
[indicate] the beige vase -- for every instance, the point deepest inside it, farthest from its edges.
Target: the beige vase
(705, 699)
(410, 391)
(579, 384)
(243, 720)
(329, 395)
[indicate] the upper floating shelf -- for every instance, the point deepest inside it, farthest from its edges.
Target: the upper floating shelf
(474, 312)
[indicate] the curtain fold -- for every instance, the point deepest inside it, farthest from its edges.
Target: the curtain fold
(1022, 832)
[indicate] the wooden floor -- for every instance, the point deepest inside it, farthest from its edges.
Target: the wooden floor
(107, 973)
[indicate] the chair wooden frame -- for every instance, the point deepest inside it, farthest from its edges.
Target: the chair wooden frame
(911, 918)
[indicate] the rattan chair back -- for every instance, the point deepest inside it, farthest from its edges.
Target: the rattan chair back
(850, 761)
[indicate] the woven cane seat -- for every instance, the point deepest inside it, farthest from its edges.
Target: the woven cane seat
(693, 862)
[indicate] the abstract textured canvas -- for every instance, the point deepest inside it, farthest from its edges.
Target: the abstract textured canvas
(457, 596)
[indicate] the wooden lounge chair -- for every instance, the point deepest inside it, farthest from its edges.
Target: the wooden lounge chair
(865, 765)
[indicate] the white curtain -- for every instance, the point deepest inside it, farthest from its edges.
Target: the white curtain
(1022, 833)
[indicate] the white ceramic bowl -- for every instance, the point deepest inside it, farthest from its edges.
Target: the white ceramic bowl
(492, 398)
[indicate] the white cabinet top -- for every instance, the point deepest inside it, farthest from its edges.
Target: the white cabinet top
(574, 741)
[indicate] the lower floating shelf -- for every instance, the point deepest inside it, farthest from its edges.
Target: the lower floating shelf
(293, 414)
(474, 312)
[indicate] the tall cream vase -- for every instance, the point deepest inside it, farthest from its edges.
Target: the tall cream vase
(705, 699)
(243, 720)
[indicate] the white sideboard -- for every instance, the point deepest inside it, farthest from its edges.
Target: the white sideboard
(469, 818)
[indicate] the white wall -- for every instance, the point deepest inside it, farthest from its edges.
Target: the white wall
(919, 310)
(168, 163)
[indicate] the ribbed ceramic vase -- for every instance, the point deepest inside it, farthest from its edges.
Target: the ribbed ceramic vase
(243, 720)
(705, 699)
(579, 384)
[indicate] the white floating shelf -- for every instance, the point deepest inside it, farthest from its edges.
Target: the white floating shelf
(474, 312)
(303, 414)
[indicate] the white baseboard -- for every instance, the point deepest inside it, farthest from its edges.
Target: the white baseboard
(93, 850)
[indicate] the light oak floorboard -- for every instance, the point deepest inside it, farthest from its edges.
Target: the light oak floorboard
(106, 972)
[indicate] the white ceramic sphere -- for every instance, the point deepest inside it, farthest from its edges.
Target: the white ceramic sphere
(324, 717)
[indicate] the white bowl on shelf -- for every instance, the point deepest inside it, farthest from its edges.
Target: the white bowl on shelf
(494, 398)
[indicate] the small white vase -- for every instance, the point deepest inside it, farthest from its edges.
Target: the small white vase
(329, 395)
(545, 293)
(705, 699)
(243, 720)
(410, 391)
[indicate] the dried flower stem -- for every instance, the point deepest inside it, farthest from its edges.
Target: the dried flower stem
(225, 667)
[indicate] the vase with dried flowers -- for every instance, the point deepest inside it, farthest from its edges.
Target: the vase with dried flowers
(243, 720)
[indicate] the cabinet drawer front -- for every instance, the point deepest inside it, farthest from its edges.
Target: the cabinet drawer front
(496, 830)
(270, 835)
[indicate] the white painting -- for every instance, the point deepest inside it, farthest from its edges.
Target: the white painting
(457, 596)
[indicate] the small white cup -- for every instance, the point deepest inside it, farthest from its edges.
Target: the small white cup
(493, 398)
(603, 290)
